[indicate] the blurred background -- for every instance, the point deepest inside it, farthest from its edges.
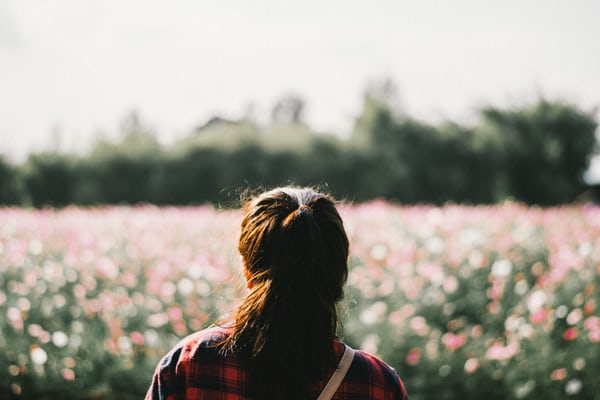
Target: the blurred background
(462, 137)
(179, 103)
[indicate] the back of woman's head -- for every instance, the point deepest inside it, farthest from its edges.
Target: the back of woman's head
(295, 251)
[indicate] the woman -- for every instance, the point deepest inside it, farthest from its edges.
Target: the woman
(282, 343)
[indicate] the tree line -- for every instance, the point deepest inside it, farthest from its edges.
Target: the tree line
(534, 153)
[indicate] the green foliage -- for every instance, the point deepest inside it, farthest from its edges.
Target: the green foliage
(11, 190)
(49, 179)
(120, 172)
(536, 154)
(544, 149)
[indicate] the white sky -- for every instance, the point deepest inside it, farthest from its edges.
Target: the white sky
(78, 66)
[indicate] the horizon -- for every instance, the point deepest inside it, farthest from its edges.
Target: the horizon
(75, 69)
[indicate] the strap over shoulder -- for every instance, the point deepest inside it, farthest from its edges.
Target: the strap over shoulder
(338, 375)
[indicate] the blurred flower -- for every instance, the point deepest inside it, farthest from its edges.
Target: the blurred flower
(34, 330)
(69, 362)
(561, 311)
(137, 338)
(497, 351)
(185, 286)
(579, 363)
(167, 289)
(418, 325)
(151, 337)
(444, 370)
(421, 273)
(15, 388)
(536, 300)
(540, 316)
(38, 355)
(523, 390)
(107, 269)
(574, 316)
(370, 343)
(124, 344)
(471, 365)
(68, 374)
(175, 313)
(501, 268)
(589, 307)
(413, 357)
(521, 287)
(594, 336)
(60, 339)
(558, 374)
(573, 387)
(13, 370)
(157, 320)
(24, 304)
(434, 245)
(36, 247)
(452, 341)
(374, 313)
(570, 333)
(379, 252)
(13, 314)
(526, 331)
(476, 331)
(450, 284)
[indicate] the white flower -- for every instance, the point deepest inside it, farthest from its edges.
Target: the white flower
(573, 387)
(185, 286)
(536, 300)
(60, 339)
(38, 356)
(501, 268)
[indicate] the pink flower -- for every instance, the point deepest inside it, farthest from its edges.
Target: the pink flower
(540, 316)
(175, 313)
(414, 356)
(570, 334)
(499, 352)
(592, 323)
(589, 307)
(471, 365)
(68, 374)
(137, 338)
(106, 268)
(558, 374)
(453, 342)
(594, 336)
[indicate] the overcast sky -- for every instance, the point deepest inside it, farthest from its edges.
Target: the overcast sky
(78, 66)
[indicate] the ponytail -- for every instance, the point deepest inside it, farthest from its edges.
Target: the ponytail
(295, 250)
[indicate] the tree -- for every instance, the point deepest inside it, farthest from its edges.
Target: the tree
(288, 110)
(123, 171)
(545, 149)
(11, 191)
(49, 179)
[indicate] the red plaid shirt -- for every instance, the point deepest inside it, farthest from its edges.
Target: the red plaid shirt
(196, 370)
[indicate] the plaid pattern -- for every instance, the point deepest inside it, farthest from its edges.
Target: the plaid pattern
(194, 370)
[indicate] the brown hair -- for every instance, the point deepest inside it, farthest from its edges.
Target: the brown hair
(295, 249)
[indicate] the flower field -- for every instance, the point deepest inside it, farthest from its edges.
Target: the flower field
(497, 302)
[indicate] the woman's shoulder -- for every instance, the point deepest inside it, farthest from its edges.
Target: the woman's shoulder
(205, 341)
(197, 368)
(377, 374)
(372, 361)
(208, 337)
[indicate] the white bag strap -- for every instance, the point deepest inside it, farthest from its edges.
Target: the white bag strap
(338, 375)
